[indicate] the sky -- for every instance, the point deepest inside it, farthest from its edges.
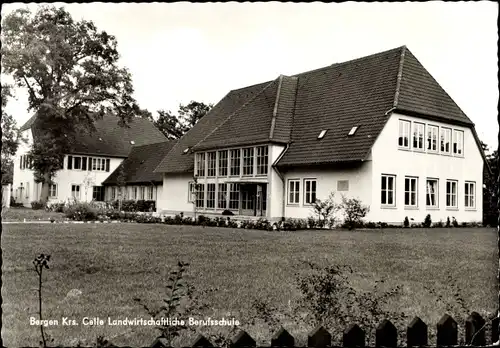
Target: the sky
(178, 52)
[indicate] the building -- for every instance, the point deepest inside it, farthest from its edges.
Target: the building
(94, 157)
(135, 178)
(379, 128)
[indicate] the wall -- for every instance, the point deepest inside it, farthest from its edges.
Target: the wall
(275, 189)
(23, 184)
(389, 159)
(174, 195)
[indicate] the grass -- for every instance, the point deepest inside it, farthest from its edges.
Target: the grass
(112, 264)
(21, 213)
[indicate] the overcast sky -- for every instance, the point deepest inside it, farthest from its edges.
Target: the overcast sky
(192, 51)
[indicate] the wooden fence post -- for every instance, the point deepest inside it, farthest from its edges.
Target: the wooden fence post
(319, 338)
(282, 339)
(353, 337)
(474, 330)
(386, 335)
(447, 331)
(416, 333)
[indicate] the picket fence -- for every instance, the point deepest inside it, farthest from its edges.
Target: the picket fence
(386, 335)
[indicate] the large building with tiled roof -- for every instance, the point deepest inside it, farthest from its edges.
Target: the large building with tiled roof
(94, 157)
(379, 128)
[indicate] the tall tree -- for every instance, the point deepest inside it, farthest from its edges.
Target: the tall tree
(70, 70)
(10, 137)
(490, 192)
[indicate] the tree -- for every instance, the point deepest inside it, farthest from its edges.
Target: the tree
(10, 137)
(175, 126)
(70, 71)
(490, 192)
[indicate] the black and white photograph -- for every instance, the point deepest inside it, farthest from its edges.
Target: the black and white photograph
(250, 174)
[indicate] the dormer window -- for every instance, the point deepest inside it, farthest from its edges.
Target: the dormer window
(322, 134)
(132, 142)
(353, 130)
(186, 150)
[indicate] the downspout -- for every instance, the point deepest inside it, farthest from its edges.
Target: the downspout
(282, 178)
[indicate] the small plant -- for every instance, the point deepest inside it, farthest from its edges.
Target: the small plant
(354, 211)
(427, 221)
(37, 205)
(438, 224)
(454, 222)
(41, 262)
(406, 222)
(448, 223)
(325, 210)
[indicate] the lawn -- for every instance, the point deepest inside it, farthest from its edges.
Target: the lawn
(22, 213)
(112, 264)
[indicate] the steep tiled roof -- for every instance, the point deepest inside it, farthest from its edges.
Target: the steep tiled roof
(111, 139)
(294, 110)
(139, 166)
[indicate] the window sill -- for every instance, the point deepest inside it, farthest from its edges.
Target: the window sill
(404, 148)
(388, 207)
(294, 205)
(407, 207)
(432, 208)
(470, 209)
(451, 209)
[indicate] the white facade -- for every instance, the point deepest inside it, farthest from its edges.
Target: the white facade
(417, 168)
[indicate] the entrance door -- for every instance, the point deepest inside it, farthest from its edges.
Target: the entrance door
(253, 199)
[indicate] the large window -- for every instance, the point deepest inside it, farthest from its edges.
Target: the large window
(52, 190)
(98, 193)
(75, 191)
(293, 191)
(222, 196)
(200, 164)
(200, 196)
(388, 190)
(411, 192)
(210, 196)
(235, 162)
(26, 162)
(151, 193)
(470, 194)
(223, 163)
(234, 197)
(142, 193)
(418, 136)
(404, 134)
(446, 140)
(451, 194)
(248, 161)
(212, 162)
(432, 136)
(191, 192)
(309, 191)
(262, 160)
(432, 193)
(99, 164)
(458, 142)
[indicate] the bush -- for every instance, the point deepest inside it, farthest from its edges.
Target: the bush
(55, 207)
(354, 211)
(427, 222)
(454, 222)
(406, 222)
(448, 223)
(144, 206)
(37, 205)
(80, 212)
(325, 210)
(438, 224)
(227, 212)
(371, 225)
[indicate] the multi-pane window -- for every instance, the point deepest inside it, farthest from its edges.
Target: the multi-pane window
(52, 190)
(200, 196)
(222, 196)
(200, 164)
(212, 162)
(458, 142)
(470, 194)
(26, 162)
(411, 192)
(99, 164)
(235, 162)
(234, 196)
(191, 192)
(404, 134)
(151, 193)
(418, 136)
(262, 160)
(211, 196)
(75, 191)
(432, 193)
(134, 193)
(309, 191)
(223, 163)
(113, 193)
(388, 190)
(432, 136)
(445, 140)
(77, 163)
(451, 193)
(142, 193)
(98, 193)
(248, 161)
(293, 191)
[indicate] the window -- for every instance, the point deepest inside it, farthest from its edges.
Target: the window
(248, 161)
(293, 191)
(387, 190)
(262, 160)
(200, 196)
(98, 193)
(223, 163)
(211, 196)
(234, 196)
(445, 140)
(75, 191)
(432, 135)
(151, 193)
(134, 193)
(99, 164)
(235, 162)
(411, 192)
(77, 163)
(52, 190)
(432, 192)
(322, 134)
(200, 164)
(142, 193)
(222, 196)
(353, 130)
(458, 142)
(26, 162)
(343, 185)
(191, 192)
(404, 134)
(451, 194)
(470, 194)
(113, 193)
(212, 162)
(418, 136)
(309, 191)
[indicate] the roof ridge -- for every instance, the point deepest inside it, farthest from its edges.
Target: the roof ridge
(400, 75)
(275, 110)
(233, 113)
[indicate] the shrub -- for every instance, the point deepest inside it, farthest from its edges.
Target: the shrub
(448, 223)
(55, 207)
(325, 210)
(454, 222)
(145, 206)
(311, 222)
(427, 221)
(231, 223)
(227, 212)
(263, 224)
(406, 222)
(37, 205)
(438, 224)
(80, 212)
(371, 225)
(354, 211)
